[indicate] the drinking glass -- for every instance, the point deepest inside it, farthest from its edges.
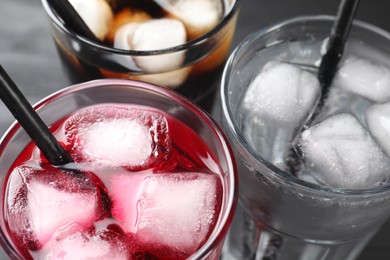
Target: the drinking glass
(280, 216)
(62, 103)
(205, 57)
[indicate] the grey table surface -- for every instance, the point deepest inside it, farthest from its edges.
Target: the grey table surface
(28, 54)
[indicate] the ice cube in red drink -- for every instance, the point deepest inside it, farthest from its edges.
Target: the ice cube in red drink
(40, 202)
(107, 241)
(114, 136)
(167, 210)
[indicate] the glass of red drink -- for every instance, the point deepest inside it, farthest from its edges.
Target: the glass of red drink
(181, 46)
(158, 178)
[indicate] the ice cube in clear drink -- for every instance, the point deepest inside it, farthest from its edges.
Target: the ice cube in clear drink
(364, 77)
(378, 122)
(275, 106)
(340, 153)
(118, 136)
(173, 210)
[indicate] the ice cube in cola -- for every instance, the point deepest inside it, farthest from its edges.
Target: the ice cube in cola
(153, 189)
(150, 26)
(345, 146)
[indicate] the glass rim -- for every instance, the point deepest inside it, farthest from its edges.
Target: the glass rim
(220, 231)
(228, 114)
(105, 48)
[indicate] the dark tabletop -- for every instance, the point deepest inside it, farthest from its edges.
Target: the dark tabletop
(27, 53)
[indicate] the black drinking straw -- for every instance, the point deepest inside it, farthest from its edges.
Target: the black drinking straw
(23, 112)
(335, 49)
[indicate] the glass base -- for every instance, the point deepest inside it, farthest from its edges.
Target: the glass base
(248, 240)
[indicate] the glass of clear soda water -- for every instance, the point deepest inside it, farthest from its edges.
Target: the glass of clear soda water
(318, 191)
(157, 180)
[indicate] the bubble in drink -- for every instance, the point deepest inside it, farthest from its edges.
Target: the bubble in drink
(154, 193)
(340, 153)
(275, 106)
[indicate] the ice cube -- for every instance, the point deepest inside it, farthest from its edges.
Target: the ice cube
(151, 35)
(199, 16)
(59, 209)
(114, 136)
(170, 79)
(340, 153)
(275, 106)
(108, 243)
(126, 189)
(283, 92)
(161, 69)
(97, 15)
(41, 202)
(122, 40)
(365, 78)
(378, 121)
(131, 140)
(175, 210)
(125, 16)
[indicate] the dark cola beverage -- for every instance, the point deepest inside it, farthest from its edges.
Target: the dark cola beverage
(178, 44)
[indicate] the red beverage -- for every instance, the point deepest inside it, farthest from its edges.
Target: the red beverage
(181, 45)
(150, 188)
